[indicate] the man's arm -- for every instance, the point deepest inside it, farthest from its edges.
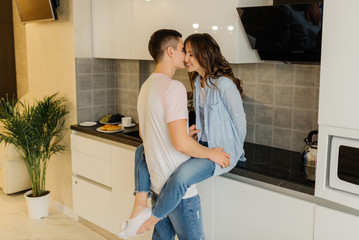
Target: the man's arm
(186, 144)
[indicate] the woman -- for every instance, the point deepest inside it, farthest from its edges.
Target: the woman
(220, 122)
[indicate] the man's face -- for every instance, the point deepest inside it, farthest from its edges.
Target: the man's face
(179, 55)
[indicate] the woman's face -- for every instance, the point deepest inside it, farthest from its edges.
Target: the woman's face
(191, 61)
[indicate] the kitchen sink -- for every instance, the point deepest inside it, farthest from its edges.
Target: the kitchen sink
(135, 134)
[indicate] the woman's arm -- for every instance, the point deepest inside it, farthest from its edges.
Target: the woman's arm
(233, 102)
(186, 144)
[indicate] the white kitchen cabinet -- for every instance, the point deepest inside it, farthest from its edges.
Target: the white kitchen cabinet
(333, 225)
(247, 212)
(92, 202)
(146, 18)
(111, 29)
(339, 83)
(206, 193)
(103, 181)
(122, 28)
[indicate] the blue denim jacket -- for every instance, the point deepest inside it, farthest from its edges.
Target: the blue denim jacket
(224, 117)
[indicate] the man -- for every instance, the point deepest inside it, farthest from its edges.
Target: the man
(162, 111)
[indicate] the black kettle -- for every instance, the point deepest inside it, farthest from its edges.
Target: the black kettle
(310, 156)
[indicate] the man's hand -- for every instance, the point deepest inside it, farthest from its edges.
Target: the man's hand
(193, 131)
(220, 157)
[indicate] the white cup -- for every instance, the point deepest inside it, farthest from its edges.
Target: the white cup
(126, 121)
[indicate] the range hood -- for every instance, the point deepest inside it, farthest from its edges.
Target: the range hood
(289, 32)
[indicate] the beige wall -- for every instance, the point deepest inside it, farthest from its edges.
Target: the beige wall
(45, 64)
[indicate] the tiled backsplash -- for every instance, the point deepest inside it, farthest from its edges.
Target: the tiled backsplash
(96, 88)
(281, 100)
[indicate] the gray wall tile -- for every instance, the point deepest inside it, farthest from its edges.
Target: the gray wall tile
(304, 97)
(133, 82)
(99, 97)
(263, 134)
(282, 117)
(84, 82)
(302, 120)
(283, 96)
(99, 112)
(305, 75)
(111, 109)
(284, 74)
(249, 109)
(298, 143)
(282, 138)
(247, 72)
(111, 81)
(84, 114)
(264, 114)
(110, 66)
(84, 99)
(99, 81)
(250, 133)
(265, 73)
(83, 65)
(111, 96)
(98, 65)
(249, 90)
(264, 94)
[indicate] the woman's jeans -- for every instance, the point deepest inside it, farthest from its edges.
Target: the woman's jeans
(192, 171)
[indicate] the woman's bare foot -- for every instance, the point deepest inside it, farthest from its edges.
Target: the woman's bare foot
(148, 225)
(140, 204)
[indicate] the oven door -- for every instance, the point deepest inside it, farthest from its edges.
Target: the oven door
(344, 165)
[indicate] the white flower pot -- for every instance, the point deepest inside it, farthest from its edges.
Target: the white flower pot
(38, 207)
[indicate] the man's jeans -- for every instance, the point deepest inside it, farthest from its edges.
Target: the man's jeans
(185, 221)
(192, 171)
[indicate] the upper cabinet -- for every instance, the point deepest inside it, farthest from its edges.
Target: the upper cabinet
(122, 28)
(339, 82)
(111, 30)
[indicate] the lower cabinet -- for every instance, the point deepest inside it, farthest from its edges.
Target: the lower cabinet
(206, 193)
(333, 225)
(93, 202)
(103, 182)
(246, 212)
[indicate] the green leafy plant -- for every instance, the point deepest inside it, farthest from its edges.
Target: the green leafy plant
(36, 132)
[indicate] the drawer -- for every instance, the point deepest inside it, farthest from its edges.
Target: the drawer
(98, 170)
(91, 147)
(92, 202)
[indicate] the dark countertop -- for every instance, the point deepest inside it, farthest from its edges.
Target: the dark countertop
(266, 164)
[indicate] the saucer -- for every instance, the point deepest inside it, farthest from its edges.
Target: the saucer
(87, 124)
(131, 125)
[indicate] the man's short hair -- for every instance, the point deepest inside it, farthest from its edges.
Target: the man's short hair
(161, 40)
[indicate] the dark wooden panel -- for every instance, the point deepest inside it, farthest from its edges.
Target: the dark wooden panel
(7, 53)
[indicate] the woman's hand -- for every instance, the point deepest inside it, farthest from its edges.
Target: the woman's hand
(193, 131)
(220, 157)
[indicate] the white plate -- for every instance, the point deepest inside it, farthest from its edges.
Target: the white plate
(88, 124)
(131, 125)
(119, 130)
(113, 123)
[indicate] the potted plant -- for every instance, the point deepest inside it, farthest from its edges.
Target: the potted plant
(36, 132)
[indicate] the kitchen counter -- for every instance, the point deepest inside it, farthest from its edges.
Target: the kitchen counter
(265, 164)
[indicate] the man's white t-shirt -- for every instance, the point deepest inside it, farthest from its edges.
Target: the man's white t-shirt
(162, 100)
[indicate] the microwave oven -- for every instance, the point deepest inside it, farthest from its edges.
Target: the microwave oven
(344, 164)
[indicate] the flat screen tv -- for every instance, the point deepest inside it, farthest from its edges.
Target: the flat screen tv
(285, 32)
(37, 10)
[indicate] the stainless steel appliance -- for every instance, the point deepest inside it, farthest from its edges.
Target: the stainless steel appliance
(310, 156)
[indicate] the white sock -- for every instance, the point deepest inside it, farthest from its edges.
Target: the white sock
(130, 229)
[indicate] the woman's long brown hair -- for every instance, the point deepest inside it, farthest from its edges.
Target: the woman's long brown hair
(208, 54)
